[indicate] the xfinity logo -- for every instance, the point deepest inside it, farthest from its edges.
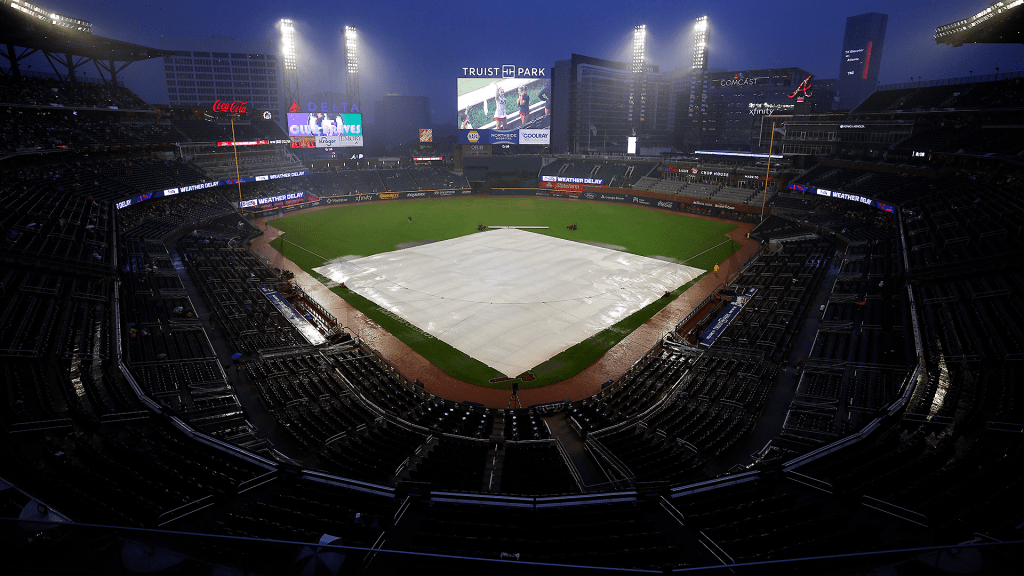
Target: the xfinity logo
(364, 197)
(761, 111)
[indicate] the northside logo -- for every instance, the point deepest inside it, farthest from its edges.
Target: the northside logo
(473, 136)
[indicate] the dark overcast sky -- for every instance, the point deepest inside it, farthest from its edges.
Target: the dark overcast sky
(418, 48)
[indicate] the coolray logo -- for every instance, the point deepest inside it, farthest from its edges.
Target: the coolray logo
(535, 136)
(590, 196)
(803, 90)
(236, 107)
(664, 204)
(504, 71)
(473, 136)
(416, 195)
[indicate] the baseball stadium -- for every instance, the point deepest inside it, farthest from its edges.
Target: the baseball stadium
(229, 347)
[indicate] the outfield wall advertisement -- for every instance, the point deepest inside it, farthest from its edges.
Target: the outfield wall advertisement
(691, 205)
(359, 198)
(184, 189)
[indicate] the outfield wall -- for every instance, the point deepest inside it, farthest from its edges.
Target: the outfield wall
(357, 198)
(643, 198)
(685, 205)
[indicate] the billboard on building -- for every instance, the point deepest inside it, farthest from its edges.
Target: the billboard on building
(327, 129)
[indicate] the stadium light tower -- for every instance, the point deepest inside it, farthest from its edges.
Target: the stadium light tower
(352, 65)
(700, 43)
(638, 92)
(288, 52)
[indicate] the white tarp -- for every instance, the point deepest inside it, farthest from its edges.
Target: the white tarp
(509, 298)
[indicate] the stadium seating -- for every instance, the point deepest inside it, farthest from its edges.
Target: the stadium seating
(121, 404)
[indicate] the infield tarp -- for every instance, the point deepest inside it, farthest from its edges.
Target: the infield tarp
(509, 298)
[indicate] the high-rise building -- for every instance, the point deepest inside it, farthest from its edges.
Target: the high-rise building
(862, 55)
(592, 111)
(689, 91)
(204, 70)
(398, 119)
(732, 106)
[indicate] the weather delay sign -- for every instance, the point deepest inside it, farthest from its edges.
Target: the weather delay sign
(708, 337)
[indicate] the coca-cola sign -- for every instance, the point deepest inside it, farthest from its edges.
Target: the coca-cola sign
(236, 107)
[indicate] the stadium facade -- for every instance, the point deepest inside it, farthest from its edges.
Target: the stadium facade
(204, 70)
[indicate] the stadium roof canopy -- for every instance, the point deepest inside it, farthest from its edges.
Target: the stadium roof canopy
(66, 42)
(1000, 23)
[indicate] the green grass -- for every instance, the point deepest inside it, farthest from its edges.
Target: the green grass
(366, 229)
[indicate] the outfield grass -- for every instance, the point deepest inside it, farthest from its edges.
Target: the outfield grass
(365, 229)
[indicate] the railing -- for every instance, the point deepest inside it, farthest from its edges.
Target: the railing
(953, 81)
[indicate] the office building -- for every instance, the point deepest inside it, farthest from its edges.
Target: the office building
(204, 70)
(592, 113)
